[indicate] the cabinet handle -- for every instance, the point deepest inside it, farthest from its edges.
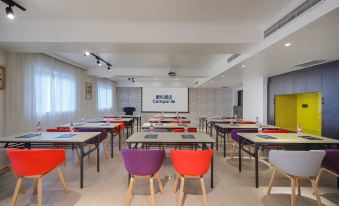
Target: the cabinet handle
(322, 100)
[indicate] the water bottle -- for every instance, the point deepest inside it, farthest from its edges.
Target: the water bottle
(162, 114)
(159, 121)
(186, 129)
(260, 128)
(151, 128)
(299, 130)
(71, 128)
(177, 114)
(180, 120)
(38, 128)
(232, 121)
(257, 121)
(120, 116)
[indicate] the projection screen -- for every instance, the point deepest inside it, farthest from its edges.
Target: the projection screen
(165, 100)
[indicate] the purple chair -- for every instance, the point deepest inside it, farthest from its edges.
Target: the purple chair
(236, 139)
(141, 164)
(102, 139)
(330, 164)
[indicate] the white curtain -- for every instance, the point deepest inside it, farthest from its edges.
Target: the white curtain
(105, 97)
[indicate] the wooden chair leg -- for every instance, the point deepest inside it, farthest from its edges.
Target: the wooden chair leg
(104, 146)
(22, 188)
(233, 150)
(271, 181)
(318, 179)
(203, 187)
(62, 179)
(315, 189)
(129, 192)
(77, 152)
(293, 199)
(175, 186)
(40, 191)
(16, 191)
(35, 185)
(298, 186)
(151, 182)
(160, 183)
(181, 193)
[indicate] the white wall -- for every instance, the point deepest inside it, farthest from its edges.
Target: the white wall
(255, 98)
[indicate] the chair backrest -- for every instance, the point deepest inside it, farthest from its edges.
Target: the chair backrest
(235, 137)
(129, 110)
(122, 126)
(190, 162)
(142, 162)
(35, 161)
(331, 160)
(297, 163)
(276, 131)
(60, 130)
(103, 134)
(192, 130)
(245, 122)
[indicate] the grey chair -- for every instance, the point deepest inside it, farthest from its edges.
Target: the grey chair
(296, 165)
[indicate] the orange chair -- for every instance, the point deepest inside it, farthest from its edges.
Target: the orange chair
(192, 130)
(122, 126)
(182, 121)
(245, 122)
(35, 164)
(191, 164)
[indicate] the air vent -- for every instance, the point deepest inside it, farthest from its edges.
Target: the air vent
(233, 57)
(291, 16)
(311, 63)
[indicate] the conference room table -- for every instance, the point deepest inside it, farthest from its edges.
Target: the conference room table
(170, 116)
(220, 120)
(127, 121)
(66, 140)
(291, 140)
(227, 129)
(167, 120)
(173, 139)
(168, 126)
(136, 117)
(108, 126)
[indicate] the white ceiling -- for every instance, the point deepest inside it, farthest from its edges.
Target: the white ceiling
(316, 41)
(147, 39)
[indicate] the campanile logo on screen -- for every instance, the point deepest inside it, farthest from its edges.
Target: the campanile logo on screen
(163, 99)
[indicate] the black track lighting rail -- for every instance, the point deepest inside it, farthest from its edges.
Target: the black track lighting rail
(11, 3)
(100, 59)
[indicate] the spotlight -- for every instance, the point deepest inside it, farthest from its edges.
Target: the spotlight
(87, 53)
(98, 62)
(109, 69)
(129, 79)
(9, 13)
(287, 44)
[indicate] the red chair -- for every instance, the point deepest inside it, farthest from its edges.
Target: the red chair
(191, 164)
(182, 121)
(122, 126)
(192, 130)
(245, 122)
(35, 164)
(276, 131)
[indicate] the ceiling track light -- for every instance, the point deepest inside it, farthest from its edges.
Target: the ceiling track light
(99, 60)
(9, 10)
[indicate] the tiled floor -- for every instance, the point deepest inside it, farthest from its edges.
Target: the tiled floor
(110, 185)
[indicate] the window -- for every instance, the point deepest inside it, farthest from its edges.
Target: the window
(105, 95)
(55, 91)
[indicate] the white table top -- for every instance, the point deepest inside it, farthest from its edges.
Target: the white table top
(172, 116)
(122, 116)
(166, 120)
(169, 137)
(50, 137)
(221, 120)
(287, 138)
(92, 125)
(168, 125)
(245, 126)
(96, 120)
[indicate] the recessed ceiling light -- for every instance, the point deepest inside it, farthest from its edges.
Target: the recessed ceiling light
(212, 81)
(243, 66)
(223, 76)
(87, 53)
(287, 44)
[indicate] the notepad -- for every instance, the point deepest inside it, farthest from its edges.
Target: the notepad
(310, 138)
(66, 136)
(28, 136)
(266, 136)
(103, 125)
(187, 136)
(151, 136)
